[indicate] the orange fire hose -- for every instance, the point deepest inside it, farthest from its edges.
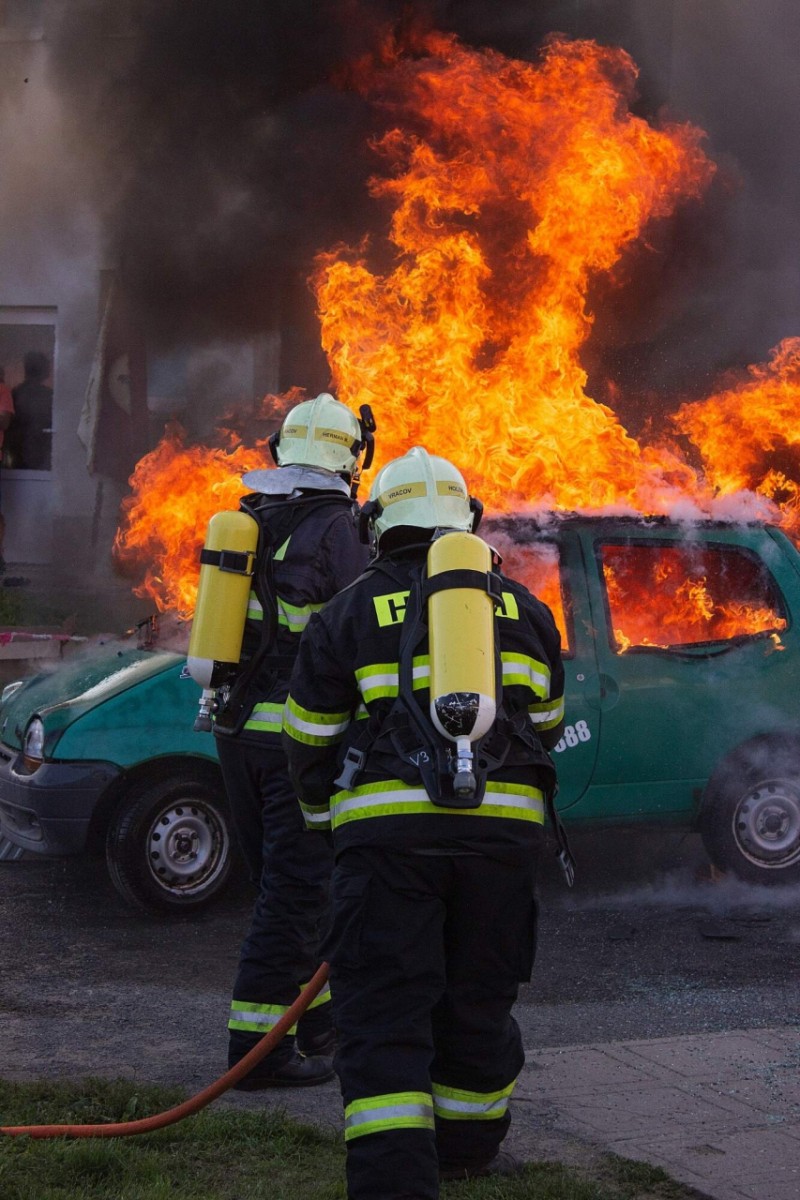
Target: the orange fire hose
(193, 1105)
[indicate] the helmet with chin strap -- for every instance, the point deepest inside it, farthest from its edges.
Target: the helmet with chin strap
(422, 491)
(324, 433)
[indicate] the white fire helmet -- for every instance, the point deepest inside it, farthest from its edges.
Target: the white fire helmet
(423, 491)
(319, 433)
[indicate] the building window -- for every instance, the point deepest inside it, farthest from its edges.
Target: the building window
(27, 350)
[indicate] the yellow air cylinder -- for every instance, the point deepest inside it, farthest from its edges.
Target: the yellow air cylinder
(461, 642)
(226, 570)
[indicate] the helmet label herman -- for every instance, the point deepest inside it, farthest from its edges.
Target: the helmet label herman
(333, 435)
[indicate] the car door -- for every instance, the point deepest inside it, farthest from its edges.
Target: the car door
(688, 629)
(551, 566)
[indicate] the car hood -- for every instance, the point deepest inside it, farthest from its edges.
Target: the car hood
(61, 696)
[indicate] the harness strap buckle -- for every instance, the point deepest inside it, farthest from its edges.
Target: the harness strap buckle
(352, 767)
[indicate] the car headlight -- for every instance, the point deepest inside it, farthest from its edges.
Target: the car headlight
(9, 689)
(33, 745)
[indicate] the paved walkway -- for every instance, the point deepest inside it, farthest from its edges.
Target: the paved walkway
(718, 1111)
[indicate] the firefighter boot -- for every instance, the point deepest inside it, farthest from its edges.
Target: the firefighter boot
(296, 1071)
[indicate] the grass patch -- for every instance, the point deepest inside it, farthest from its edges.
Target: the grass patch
(225, 1155)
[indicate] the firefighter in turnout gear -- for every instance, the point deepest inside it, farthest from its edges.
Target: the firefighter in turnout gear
(433, 890)
(308, 549)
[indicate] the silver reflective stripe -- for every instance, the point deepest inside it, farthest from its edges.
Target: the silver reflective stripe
(272, 716)
(388, 1113)
(318, 728)
(267, 1019)
(549, 715)
(386, 683)
(388, 801)
(391, 1112)
(458, 1104)
(255, 610)
(296, 616)
(525, 670)
(493, 1108)
(315, 816)
(411, 796)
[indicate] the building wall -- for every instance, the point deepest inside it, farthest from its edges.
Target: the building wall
(53, 270)
(49, 261)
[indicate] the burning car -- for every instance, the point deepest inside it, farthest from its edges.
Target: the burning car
(680, 643)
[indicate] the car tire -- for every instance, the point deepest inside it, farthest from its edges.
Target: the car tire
(169, 846)
(750, 813)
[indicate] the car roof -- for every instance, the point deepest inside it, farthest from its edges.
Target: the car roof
(551, 522)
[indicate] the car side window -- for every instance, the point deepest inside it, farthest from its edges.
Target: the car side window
(671, 595)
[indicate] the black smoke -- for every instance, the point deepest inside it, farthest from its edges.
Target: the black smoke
(225, 154)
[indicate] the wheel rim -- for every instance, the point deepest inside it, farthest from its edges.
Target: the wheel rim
(766, 824)
(187, 847)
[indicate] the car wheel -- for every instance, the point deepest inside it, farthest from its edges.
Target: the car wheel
(750, 815)
(169, 844)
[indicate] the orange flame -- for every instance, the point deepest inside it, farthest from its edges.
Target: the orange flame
(522, 182)
(510, 186)
(176, 491)
(745, 431)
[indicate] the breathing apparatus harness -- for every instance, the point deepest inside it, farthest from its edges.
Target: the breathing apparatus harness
(404, 740)
(278, 520)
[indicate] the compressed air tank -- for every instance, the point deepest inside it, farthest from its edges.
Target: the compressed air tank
(463, 693)
(226, 568)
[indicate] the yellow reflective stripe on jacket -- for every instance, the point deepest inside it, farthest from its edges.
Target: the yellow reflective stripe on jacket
(255, 610)
(316, 816)
(396, 1110)
(548, 714)
(322, 997)
(457, 1104)
(522, 669)
(313, 728)
(293, 617)
(257, 1018)
(394, 798)
(266, 717)
(379, 680)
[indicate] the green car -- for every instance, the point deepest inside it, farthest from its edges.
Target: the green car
(682, 706)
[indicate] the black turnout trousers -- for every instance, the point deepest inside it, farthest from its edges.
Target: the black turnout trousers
(427, 950)
(291, 866)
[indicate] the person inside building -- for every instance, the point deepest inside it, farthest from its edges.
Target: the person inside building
(433, 906)
(31, 436)
(309, 548)
(6, 417)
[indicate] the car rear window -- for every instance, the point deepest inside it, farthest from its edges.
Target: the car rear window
(669, 595)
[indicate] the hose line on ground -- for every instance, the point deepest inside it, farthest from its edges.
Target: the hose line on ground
(193, 1105)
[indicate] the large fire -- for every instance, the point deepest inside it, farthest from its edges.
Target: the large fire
(510, 187)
